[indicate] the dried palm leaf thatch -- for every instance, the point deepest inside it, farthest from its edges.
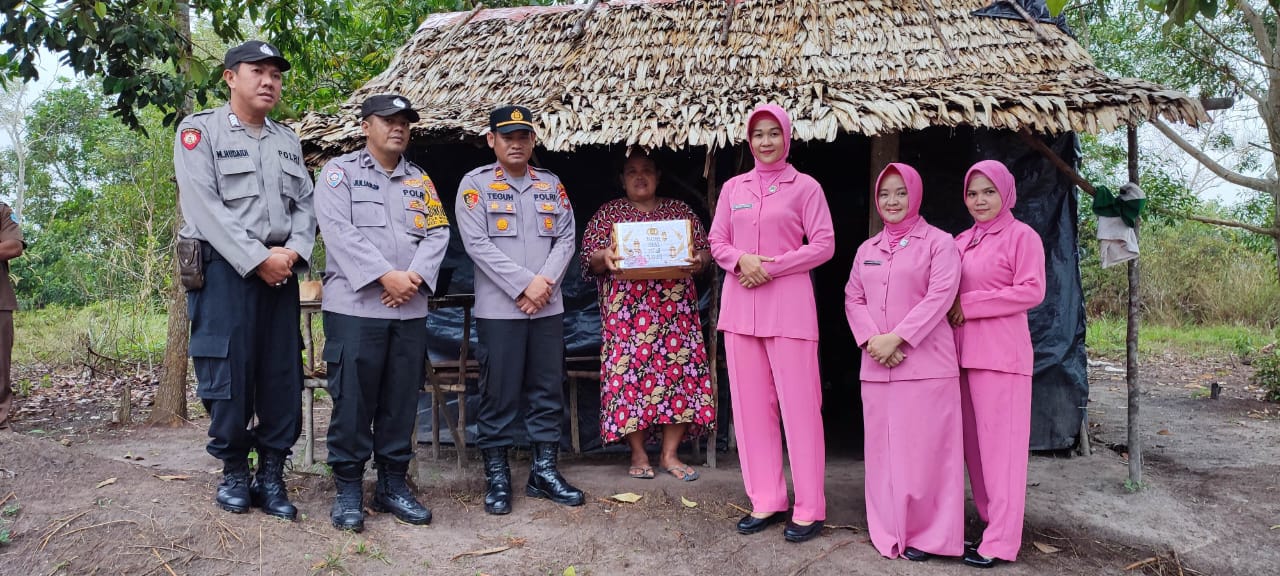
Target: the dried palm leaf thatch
(654, 73)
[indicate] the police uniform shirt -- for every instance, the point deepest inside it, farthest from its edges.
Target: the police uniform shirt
(9, 230)
(512, 232)
(373, 223)
(242, 194)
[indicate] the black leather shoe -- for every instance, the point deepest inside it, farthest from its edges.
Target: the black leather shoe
(233, 491)
(348, 511)
(268, 491)
(393, 495)
(797, 533)
(973, 558)
(750, 524)
(916, 555)
(497, 477)
(545, 480)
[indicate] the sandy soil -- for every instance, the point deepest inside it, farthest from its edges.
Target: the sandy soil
(84, 497)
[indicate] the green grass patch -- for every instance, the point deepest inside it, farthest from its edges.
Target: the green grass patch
(1106, 337)
(56, 335)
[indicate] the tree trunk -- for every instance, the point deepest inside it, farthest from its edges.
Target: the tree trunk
(171, 397)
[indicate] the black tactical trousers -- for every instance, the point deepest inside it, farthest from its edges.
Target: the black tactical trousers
(247, 351)
(376, 368)
(521, 366)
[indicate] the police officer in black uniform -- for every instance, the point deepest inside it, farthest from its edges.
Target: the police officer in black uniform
(246, 196)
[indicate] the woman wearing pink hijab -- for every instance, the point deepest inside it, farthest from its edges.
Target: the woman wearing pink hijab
(903, 281)
(1002, 277)
(767, 312)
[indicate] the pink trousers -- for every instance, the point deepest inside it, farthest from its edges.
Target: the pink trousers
(915, 466)
(997, 431)
(771, 378)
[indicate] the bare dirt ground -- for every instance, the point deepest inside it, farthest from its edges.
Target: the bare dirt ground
(82, 496)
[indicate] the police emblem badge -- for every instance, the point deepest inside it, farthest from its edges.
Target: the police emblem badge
(190, 138)
(502, 224)
(499, 186)
(413, 183)
(564, 197)
(470, 197)
(419, 221)
(542, 186)
(549, 222)
(334, 176)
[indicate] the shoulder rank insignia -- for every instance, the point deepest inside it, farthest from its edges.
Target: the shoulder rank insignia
(498, 174)
(564, 197)
(190, 138)
(470, 197)
(542, 186)
(499, 186)
(334, 176)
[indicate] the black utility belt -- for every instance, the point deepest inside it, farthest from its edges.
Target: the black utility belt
(209, 254)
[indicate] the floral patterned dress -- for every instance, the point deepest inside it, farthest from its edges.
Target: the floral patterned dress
(653, 363)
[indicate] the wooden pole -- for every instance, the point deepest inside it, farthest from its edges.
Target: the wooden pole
(1131, 339)
(884, 150)
(713, 338)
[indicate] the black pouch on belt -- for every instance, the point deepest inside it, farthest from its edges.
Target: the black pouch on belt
(190, 264)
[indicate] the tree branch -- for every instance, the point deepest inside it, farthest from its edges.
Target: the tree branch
(1259, 32)
(1236, 178)
(1272, 232)
(1230, 48)
(1226, 71)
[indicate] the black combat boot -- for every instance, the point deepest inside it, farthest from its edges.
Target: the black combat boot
(233, 492)
(545, 480)
(393, 495)
(497, 476)
(348, 504)
(268, 491)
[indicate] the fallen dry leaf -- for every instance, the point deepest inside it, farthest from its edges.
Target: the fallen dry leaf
(628, 497)
(65, 442)
(168, 477)
(1276, 527)
(485, 552)
(1047, 549)
(688, 503)
(107, 482)
(1164, 432)
(571, 571)
(1141, 563)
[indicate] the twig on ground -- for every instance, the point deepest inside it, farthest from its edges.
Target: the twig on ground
(164, 562)
(810, 562)
(99, 526)
(259, 548)
(60, 526)
(7, 497)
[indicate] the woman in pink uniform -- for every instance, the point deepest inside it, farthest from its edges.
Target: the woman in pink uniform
(904, 280)
(769, 318)
(1002, 277)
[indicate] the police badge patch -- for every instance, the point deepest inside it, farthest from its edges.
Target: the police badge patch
(564, 197)
(190, 138)
(470, 197)
(334, 177)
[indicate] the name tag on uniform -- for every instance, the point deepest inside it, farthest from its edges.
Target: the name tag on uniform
(871, 262)
(741, 206)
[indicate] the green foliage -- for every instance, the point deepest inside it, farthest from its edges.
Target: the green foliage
(1266, 373)
(55, 335)
(1191, 274)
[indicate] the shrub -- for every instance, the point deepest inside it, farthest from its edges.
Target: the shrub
(1267, 372)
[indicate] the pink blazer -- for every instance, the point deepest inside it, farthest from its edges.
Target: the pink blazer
(774, 224)
(907, 291)
(1002, 277)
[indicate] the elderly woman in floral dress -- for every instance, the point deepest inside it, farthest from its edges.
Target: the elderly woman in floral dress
(653, 363)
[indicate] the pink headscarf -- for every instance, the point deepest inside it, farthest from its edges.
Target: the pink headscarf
(769, 172)
(915, 195)
(999, 175)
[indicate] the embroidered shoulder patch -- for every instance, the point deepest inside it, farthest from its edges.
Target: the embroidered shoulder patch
(334, 176)
(190, 138)
(470, 197)
(564, 197)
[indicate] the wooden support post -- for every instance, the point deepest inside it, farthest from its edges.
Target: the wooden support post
(884, 150)
(713, 338)
(1131, 339)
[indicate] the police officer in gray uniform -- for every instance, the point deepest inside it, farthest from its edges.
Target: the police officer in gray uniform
(517, 225)
(386, 233)
(246, 194)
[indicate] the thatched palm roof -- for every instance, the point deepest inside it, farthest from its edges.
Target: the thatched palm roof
(654, 73)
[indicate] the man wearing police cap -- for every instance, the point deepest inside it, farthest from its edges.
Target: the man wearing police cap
(517, 226)
(246, 198)
(386, 234)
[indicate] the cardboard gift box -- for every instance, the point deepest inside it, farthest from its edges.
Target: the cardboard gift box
(653, 250)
